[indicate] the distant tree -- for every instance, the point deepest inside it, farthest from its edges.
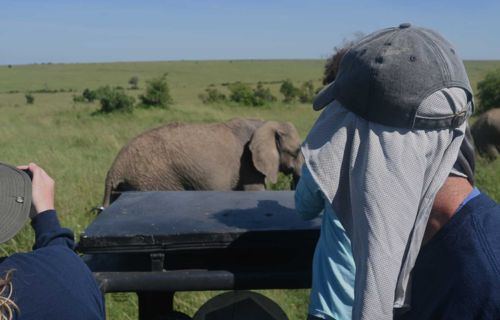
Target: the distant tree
(289, 91)
(9, 66)
(134, 82)
(488, 91)
(30, 99)
(157, 93)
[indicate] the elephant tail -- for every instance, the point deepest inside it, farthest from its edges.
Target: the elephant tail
(114, 187)
(107, 192)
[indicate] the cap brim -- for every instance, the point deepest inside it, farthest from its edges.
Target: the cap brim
(15, 201)
(324, 97)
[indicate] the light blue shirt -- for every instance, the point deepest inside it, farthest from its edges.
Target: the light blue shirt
(332, 290)
(474, 193)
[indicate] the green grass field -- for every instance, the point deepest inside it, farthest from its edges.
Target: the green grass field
(77, 148)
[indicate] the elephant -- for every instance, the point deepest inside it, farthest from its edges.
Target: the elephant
(239, 154)
(486, 133)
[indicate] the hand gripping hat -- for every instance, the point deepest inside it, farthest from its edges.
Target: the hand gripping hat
(15, 201)
(386, 75)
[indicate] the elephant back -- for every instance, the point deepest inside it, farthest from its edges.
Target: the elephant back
(243, 129)
(486, 132)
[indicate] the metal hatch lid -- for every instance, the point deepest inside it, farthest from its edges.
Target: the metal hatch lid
(184, 220)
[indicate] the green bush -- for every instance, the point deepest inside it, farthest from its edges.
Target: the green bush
(241, 93)
(90, 95)
(78, 98)
(284, 183)
(262, 95)
(212, 95)
(307, 92)
(289, 91)
(114, 99)
(134, 82)
(30, 99)
(157, 93)
(488, 91)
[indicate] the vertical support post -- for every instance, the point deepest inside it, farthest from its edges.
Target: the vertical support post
(155, 305)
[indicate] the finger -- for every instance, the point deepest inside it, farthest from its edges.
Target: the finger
(33, 165)
(39, 172)
(23, 167)
(35, 169)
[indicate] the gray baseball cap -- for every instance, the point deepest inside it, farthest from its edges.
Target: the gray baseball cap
(15, 201)
(386, 75)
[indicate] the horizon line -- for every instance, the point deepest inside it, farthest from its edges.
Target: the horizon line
(187, 60)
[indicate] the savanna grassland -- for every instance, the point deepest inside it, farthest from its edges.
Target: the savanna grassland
(77, 146)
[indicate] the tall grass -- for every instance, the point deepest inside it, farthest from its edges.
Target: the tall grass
(77, 148)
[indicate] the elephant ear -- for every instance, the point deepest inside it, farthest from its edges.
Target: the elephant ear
(265, 155)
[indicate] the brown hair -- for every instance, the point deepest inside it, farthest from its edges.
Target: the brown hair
(332, 64)
(7, 306)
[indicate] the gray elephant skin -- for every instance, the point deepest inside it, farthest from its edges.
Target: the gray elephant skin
(486, 133)
(240, 154)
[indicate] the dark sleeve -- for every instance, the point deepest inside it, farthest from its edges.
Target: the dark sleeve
(48, 231)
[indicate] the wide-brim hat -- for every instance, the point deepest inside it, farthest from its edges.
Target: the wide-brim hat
(15, 201)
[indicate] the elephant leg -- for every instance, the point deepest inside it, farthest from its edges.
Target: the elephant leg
(114, 192)
(492, 151)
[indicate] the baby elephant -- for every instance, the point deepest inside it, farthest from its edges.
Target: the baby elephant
(240, 154)
(486, 133)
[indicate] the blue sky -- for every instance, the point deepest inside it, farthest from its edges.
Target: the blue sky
(94, 31)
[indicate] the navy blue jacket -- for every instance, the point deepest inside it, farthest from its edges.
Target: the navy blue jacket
(52, 282)
(457, 273)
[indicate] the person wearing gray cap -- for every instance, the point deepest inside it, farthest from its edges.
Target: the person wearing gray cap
(51, 282)
(391, 130)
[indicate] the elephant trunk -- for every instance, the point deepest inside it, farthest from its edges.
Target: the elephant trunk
(297, 171)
